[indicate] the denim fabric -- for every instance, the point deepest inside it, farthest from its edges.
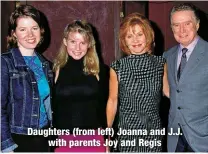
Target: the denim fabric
(35, 65)
(20, 101)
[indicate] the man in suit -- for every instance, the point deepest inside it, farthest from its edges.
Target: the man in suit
(188, 80)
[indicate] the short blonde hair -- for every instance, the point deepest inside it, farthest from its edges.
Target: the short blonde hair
(130, 21)
(91, 61)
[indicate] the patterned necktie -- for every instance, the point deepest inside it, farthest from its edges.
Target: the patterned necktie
(183, 62)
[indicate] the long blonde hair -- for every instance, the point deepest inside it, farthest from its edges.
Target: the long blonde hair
(91, 61)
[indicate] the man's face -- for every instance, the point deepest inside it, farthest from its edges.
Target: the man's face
(184, 27)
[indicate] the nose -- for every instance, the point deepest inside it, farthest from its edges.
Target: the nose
(30, 33)
(135, 39)
(77, 47)
(182, 29)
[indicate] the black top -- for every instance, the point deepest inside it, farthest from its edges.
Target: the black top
(78, 98)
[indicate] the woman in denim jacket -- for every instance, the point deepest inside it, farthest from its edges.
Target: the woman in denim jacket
(26, 79)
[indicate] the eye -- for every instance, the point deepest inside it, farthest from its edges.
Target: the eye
(35, 28)
(72, 41)
(22, 29)
(140, 34)
(175, 25)
(83, 43)
(129, 36)
(188, 23)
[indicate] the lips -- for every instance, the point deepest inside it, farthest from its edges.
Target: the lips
(183, 36)
(31, 41)
(77, 53)
(136, 46)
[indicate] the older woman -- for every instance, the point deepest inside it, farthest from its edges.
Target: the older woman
(137, 81)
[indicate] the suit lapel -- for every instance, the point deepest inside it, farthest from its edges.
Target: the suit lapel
(173, 63)
(194, 58)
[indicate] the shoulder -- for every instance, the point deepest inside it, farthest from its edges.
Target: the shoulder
(170, 51)
(7, 61)
(159, 59)
(202, 43)
(115, 64)
(6, 54)
(202, 47)
(7, 57)
(118, 63)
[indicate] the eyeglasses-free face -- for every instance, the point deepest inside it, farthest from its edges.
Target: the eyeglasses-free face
(184, 27)
(76, 44)
(27, 33)
(135, 40)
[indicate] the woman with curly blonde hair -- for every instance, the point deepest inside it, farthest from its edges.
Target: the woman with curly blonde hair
(78, 91)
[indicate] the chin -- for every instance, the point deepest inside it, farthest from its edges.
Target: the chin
(140, 52)
(77, 58)
(31, 46)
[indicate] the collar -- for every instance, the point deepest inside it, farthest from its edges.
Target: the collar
(191, 46)
(19, 60)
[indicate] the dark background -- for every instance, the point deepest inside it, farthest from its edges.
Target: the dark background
(105, 16)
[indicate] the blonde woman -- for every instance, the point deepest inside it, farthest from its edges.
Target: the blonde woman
(78, 90)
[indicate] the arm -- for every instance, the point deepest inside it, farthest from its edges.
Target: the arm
(165, 82)
(7, 143)
(113, 98)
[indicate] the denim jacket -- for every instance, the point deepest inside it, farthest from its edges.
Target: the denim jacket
(20, 101)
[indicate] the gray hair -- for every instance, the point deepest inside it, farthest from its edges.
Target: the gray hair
(185, 7)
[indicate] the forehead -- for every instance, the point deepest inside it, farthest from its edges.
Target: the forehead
(182, 16)
(77, 36)
(26, 21)
(134, 29)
